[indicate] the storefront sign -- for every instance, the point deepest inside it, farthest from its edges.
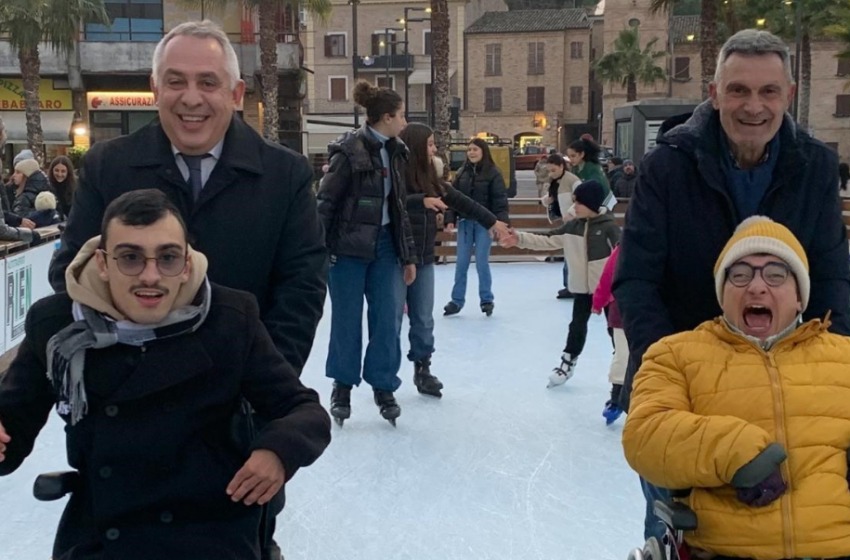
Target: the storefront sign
(12, 96)
(120, 101)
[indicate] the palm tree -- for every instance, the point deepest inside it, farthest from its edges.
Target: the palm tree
(56, 22)
(707, 35)
(627, 64)
(268, 10)
(440, 88)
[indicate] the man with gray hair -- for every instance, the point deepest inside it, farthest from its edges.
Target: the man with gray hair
(737, 156)
(247, 202)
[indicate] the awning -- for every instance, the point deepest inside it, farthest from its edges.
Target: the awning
(423, 76)
(56, 126)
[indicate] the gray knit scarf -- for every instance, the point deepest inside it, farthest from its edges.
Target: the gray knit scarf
(66, 350)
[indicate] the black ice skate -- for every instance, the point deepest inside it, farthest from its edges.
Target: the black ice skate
(487, 308)
(426, 383)
(451, 308)
(341, 403)
(387, 404)
(563, 372)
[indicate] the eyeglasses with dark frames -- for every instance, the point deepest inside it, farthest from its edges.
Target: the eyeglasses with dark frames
(133, 263)
(774, 274)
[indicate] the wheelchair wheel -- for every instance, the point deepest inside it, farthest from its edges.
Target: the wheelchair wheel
(653, 550)
(636, 554)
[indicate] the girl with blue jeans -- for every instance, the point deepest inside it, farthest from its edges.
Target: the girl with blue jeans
(427, 196)
(480, 180)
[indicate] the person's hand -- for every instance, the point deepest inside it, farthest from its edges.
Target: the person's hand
(765, 492)
(4, 439)
(259, 479)
(435, 204)
(499, 230)
(509, 240)
(27, 223)
(595, 310)
(450, 227)
(409, 274)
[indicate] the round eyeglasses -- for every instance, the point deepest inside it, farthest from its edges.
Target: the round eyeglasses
(774, 274)
(133, 263)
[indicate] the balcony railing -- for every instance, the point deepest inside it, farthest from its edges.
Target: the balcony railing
(379, 63)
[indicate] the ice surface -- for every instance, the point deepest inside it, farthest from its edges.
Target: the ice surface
(499, 468)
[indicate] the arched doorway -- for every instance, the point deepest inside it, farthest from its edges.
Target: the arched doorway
(524, 139)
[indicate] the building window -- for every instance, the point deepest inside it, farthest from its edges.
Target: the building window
(492, 99)
(682, 68)
(842, 105)
(576, 49)
(335, 45)
(575, 95)
(383, 81)
(338, 88)
(389, 41)
(111, 124)
(426, 42)
(493, 63)
(535, 99)
(843, 67)
(535, 59)
(129, 20)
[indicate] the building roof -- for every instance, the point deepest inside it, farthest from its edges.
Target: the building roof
(683, 26)
(527, 21)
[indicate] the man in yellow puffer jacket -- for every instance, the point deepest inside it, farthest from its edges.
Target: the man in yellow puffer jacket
(752, 411)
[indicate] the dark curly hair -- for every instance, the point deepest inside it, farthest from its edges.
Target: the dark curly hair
(378, 101)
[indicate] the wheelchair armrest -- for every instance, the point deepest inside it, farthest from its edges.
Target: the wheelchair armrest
(676, 515)
(55, 485)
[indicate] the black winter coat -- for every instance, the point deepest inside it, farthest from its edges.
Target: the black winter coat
(155, 450)
(255, 220)
(487, 188)
(25, 202)
(424, 221)
(681, 216)
(351, 197)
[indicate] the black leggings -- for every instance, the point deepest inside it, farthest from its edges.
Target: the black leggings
(577, 334)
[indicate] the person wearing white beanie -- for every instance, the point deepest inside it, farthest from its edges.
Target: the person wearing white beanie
(29, 182)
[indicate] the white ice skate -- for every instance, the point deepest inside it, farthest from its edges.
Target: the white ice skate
(563, 372)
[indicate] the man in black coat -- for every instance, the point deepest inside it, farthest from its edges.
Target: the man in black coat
(136, 369)
(738, 155)
(252, 209)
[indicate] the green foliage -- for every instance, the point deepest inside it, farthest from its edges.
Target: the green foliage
(627, 64)
(57, 22)
(75, 154)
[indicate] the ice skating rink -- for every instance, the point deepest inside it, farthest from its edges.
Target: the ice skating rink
(499, 469)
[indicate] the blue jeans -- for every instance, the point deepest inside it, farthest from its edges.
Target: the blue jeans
(381, 282)
(472, 235)
(420, 313)
(652, 526)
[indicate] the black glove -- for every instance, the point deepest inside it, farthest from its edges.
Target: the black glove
(848, 468)
(764, 492)
(36, 238)
(759, 482)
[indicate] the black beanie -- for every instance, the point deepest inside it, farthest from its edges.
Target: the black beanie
(591, 194)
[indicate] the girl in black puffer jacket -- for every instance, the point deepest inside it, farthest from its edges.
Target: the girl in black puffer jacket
(427, 196)
(480, 180)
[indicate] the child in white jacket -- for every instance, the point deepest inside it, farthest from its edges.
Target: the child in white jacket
(587, 242)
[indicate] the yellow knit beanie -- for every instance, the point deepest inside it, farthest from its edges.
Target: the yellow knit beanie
(761, 235)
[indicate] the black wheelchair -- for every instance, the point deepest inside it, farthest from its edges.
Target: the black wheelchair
(677, 518)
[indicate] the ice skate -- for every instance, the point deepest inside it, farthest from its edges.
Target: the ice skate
(426, 383)
(388, 406)
(563, 372)
(611, 412)
(487, 308)
(341, 403)
(451, 308)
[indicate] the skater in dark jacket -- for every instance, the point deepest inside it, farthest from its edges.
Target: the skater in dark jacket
(428, 196)
(367, 232)
(480, 180)
(132, 358)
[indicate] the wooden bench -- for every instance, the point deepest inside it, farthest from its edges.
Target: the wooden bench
(526, 214)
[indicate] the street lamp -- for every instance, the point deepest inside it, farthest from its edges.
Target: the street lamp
(405, 21)
(386, 44)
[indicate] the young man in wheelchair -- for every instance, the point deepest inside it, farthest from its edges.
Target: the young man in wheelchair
(752, 411)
